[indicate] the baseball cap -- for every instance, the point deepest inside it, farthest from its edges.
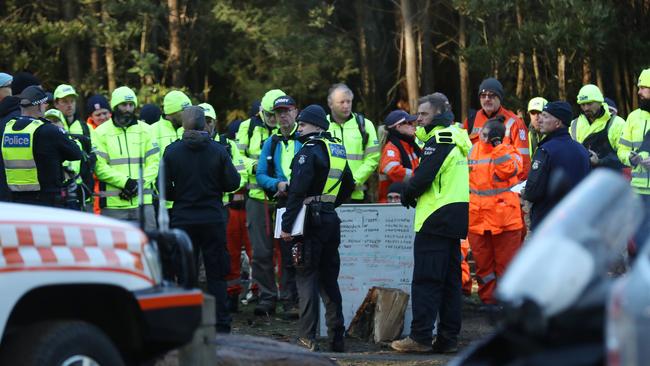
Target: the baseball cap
(63, 91)
(54, 113)
(398, 116)
(537, 104)
(590, 93)
(269, 98)
(209, 110)
(5, 80)
(32, 95)
(284, 102)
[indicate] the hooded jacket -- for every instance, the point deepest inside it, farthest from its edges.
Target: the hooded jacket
(197, 172)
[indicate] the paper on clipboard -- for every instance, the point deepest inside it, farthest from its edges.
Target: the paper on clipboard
(519, 187)
(298, 225)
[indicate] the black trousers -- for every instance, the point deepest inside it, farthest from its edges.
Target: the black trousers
(436, 288)
(321, 277)
(210, 239)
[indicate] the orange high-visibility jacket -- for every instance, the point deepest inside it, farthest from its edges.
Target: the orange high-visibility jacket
(391, 168)
(492, 173)
(516, 134)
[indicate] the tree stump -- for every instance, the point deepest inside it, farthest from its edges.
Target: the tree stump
(380, 317)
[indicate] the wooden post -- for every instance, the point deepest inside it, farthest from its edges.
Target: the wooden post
(200, 351)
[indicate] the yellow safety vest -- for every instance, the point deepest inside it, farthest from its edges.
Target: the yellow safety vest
(451, 184)
(237, 161)
(18, 156)
(165, 133)
(337, 159)
(120, 151)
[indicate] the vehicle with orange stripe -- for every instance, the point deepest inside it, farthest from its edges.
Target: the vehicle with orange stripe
(81, 289)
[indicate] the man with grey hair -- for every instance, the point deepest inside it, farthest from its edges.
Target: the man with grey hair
(357, 134)
(197, 172)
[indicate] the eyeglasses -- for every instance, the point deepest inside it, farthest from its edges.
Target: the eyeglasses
(393, 198)
(487, 95)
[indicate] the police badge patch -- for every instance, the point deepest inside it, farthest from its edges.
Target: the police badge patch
(301, 159)
(522, 135)
(536, 164)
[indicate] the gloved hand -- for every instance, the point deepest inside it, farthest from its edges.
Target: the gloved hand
(493, 137)
(407, 202)
(635, 158)
(130, 189)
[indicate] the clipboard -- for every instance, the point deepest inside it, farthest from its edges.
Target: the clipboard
(298, 225)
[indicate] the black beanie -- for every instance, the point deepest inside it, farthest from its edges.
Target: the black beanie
(150, 113)
(97, 102)
(493, 85)
(21, 81)
(314, 115)
(255, 108)
(560, 110)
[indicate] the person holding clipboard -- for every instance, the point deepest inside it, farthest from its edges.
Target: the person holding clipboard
(321, 179)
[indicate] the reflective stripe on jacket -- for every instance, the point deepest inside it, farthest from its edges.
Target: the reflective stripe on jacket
(363, 162)
(120, 151)
(516, 134)
(634, 131)
(251, 150)
(492, 174)
(391, 168)
(18, 156)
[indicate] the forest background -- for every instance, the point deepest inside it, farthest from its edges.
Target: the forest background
(229, 52)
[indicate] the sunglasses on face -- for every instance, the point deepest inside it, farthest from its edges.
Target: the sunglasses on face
(487, 95)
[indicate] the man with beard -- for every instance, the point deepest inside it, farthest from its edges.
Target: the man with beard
(634, 151)
(401, 154)
(124, 147)
(597, 129)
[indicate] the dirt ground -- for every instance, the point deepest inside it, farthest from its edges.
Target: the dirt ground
(361, 353)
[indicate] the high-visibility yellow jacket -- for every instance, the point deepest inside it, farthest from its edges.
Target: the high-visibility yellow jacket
(593, 137)
(635, 129)
(119, 154)
(164, 133)
(251, 148)
(363, 160)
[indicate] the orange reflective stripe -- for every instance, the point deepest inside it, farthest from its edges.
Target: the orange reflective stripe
(165, 301)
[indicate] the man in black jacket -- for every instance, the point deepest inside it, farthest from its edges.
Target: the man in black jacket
(33, 150)
(558, 165)
(197, 172)
(322, 179)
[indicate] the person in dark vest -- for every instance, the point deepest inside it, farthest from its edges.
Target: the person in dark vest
(322, 179)
(558, 159)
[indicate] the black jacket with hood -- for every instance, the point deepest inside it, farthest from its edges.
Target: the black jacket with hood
(197, 172)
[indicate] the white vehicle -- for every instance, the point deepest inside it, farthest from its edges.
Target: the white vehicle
(81, 289)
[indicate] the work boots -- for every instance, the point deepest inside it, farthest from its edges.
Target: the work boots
(409, 345)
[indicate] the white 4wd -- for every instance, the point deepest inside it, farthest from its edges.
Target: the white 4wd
(80, 289)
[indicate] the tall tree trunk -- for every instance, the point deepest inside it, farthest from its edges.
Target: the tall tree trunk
(410, 55)
(599, 80)
(586, 71)
(519, 90)
(174, 56)
(71, 47)
(623, 106)
(463, 68)
(538, 78)
(630, 87)
(427, 75)
(94, 60)
(561, 72)
(366, 92)
(109, 54)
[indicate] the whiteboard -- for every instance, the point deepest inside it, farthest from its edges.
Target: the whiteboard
(376, 250)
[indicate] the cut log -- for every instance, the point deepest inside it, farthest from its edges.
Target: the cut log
(389, 314)
(380, 317)
(240, 350)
